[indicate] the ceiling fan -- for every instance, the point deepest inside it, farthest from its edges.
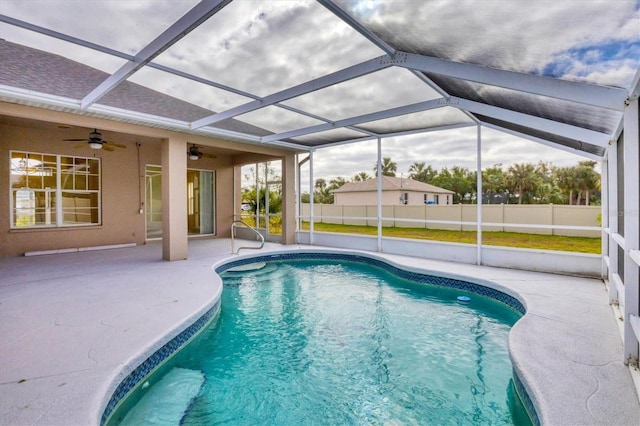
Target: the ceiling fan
(194, 153)
(96, 142)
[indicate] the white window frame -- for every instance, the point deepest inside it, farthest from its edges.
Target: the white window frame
(56, 193)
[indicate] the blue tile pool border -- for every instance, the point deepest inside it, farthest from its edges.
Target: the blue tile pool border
(420, 277)
(157, 358)
(526, 400)
(173, 345)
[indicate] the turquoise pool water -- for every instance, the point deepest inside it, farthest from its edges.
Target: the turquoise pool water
(317, 342)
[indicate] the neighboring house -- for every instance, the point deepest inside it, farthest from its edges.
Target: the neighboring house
(395, 191)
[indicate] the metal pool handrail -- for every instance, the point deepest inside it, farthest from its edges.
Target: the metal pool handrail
(234, 225)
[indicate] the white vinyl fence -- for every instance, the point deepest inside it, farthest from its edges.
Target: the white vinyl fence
(549, 219)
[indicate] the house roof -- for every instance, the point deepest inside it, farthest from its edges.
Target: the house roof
(390, 69)
(34, 70)
(390, 183)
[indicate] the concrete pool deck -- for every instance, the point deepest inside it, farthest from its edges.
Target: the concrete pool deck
(70, 323)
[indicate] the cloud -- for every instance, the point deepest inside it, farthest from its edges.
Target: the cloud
(262, 47)
(277, 119)
(519, 35)
(613, 64)
(438, 149)
(388, 88)
(122, 25)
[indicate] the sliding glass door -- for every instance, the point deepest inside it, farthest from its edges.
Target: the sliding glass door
(200, 202)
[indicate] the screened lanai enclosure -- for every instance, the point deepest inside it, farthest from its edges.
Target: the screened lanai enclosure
(309, 75)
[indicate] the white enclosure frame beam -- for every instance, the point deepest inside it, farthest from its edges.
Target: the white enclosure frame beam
(343, 75)
(311, 188)
(380, 115)
(118, 54)
(544, 142)
(353, 23)
(604, 214)
(180, 28)
(369, 35)
(537, 123)
(314, 116)
(64, 37)
(298, 197)
(589, 94)
(395, 134)
(631, 228)
(379, 203)
(159, 67)
(612, 215)
(479, 195)
(122, 55)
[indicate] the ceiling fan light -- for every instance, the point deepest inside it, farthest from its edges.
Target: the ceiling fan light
(95, 145)
(193, 157)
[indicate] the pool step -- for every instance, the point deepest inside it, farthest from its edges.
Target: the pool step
(167, 401)
(250, 267)
(236, 276)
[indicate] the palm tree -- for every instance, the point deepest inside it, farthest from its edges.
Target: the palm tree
(321, 192)
(493, 181)
(522, 179)
(546, 189)
(566, 180)
(361, 177)
(419, 172)
(336, 183)
(416, 169)
(458, 180)
(588, 179)
(389, 167)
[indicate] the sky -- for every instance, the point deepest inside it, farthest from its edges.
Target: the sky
(261, 47)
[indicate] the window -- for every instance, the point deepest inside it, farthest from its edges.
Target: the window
(54, 190)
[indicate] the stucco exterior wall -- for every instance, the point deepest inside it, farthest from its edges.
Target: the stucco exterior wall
(121, 220)
(122, 176)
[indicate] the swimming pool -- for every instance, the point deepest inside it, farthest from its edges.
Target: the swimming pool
(333, 340)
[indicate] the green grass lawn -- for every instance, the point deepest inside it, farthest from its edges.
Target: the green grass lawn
(506, 239)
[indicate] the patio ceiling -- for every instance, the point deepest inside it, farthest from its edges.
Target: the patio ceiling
(312, 74)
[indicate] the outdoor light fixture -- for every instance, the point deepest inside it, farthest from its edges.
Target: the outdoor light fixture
(96, 142)
(95, 139)
(194, 153)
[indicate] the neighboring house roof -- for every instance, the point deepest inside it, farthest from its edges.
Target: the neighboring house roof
(390, 183)
(35, 70)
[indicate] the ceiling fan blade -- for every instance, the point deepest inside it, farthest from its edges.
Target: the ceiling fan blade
(76, 140)
(107, 147)
(113, 144)
(209, 156)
